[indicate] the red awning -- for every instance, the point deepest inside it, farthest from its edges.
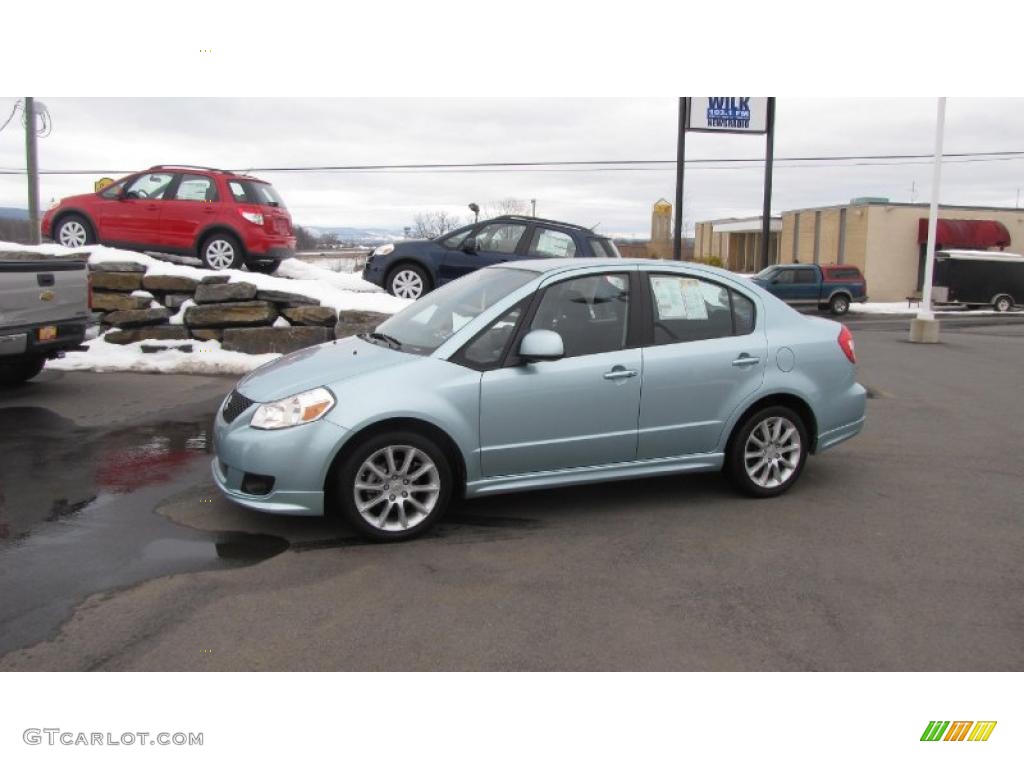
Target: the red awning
(977, 234)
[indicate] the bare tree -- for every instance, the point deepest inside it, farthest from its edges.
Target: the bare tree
(506, 207)
(432, 224)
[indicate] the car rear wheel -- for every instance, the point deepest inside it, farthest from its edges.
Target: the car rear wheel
(768, 452)
(221, 251)
(408, 281)
(1003, 303)
(73, 232)
(394, 486)
(19, 371)
(839, 305)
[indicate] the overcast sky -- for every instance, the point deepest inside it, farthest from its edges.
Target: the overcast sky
(131, 133)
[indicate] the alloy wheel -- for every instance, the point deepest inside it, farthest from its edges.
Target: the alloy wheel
(407, 285)
(772, 452)
(72, 234)
(397, 488)
(220, 254)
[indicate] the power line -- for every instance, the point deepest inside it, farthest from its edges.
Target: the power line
(587, 166)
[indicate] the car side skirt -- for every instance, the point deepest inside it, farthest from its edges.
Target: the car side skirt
(835, 436)
(704, 462)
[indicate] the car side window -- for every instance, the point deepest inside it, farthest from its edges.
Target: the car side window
(805, 276)
(456, 240)
(500, 237)
(488, 348)
(783, 277)
(149, 186)
(239, 192)
(196, 187)
(551, 244)
(591, 313)
(691, 309)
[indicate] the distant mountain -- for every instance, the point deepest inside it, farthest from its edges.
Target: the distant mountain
(13, 213)
(357, 235)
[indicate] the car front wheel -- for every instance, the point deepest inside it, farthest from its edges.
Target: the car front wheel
(768, 452)
(74, 232)
(394, 486)
(408, 282)
(1002, 303)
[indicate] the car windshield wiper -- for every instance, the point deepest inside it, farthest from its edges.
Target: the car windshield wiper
(391, 341)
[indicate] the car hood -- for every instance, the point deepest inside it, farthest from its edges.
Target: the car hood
(318, 366)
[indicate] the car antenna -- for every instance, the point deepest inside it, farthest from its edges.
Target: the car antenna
(595, 226)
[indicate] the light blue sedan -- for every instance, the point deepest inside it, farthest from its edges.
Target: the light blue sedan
(546, 373)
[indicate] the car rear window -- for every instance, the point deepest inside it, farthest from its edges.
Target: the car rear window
(255, 192)
(604, 248)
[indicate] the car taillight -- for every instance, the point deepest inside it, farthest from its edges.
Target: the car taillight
(252, 216)
(846, 344)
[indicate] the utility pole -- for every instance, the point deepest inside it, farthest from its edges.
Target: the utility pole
(925, 328)
(677, 234)
(31, 164)
(769, 162)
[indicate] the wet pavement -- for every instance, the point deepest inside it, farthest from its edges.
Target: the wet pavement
(77, 515)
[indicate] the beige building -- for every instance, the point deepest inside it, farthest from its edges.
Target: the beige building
(736, 242)
(884, 239)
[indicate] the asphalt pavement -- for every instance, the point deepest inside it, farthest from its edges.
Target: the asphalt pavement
(898, 550)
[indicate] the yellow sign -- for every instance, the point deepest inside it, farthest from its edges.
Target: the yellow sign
(103, 183)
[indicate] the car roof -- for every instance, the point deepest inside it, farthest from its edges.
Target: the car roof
(187, 168)
(536, 220)
(543, 266)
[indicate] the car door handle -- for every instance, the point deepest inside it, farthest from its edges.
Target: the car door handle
(744, 360)
(618, 372)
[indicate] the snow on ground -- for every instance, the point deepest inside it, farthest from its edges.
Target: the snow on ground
(206, 357)
(333, 289)
(901, 308)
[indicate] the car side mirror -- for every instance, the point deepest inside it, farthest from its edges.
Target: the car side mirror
(540, 345)
(469, 245)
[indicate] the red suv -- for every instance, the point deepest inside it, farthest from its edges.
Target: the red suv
(225, 219)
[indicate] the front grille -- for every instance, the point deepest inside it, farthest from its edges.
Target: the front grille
(235, 405)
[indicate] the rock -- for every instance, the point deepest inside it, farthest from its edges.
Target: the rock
(354, 322)
(215, 279)
(233, 313)
(160, 332)
(214, 293)
(169, 283)
(129, 318)
(310, 315)
(150, 348)
(175, 300)
(286, 299)
(117, 281)
(118, 266)
(103, 301)
(206, 334)
(256, 341)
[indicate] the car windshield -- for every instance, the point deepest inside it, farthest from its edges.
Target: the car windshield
(425, 325)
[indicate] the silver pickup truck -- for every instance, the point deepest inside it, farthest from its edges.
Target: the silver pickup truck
(44, 308)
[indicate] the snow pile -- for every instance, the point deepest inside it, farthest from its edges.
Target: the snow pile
(206, 357)
(339, 290)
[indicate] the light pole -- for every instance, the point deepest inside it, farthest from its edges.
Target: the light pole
(476, 212)
(32, 166)
(925, 328)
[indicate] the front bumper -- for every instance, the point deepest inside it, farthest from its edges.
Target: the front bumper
(374, 271)
(298, 459)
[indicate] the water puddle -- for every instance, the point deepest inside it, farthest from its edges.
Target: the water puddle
(76, 515)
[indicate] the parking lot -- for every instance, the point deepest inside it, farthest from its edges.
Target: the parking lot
(899, 550)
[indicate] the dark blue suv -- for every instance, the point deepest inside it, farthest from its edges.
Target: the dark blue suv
(410, 268)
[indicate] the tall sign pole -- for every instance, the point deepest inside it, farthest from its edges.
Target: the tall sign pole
(769, 158)
(925, 328)
(31, 164)
(677, 229)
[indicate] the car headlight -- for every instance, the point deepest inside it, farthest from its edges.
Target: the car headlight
(292, 411)
(384, 250)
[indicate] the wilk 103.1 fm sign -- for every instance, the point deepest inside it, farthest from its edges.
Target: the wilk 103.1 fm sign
(728, 114)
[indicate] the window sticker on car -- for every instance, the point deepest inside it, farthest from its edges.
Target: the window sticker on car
(679, 298)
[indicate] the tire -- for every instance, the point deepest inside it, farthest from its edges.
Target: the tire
(409, 281)
(394, 517)
(768, 425)
(18, 372)
(1003, 303)
(839, 304)
(221, 251)
(264, 267)
(73, 231)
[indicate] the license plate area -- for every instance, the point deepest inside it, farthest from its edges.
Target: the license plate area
(47, 333)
